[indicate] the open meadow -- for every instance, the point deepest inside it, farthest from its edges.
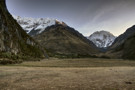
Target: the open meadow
(69, 74)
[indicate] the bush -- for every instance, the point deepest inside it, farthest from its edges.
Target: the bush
(7, 61)
(106, 57)
(62, 56)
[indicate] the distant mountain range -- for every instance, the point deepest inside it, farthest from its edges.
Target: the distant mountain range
(34, 26)
(59, 39)
(102, 39)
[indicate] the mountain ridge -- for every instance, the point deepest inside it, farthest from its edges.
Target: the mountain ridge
(123, 47)
(121, 38)
(65, 41)
(34, 26)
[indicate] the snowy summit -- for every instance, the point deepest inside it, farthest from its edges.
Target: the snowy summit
(102, 39)
(35, 26)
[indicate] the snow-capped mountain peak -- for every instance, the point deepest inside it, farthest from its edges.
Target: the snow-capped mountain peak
(36, 25)
(102, 39)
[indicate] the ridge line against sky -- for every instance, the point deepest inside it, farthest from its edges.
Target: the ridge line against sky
(86, 16)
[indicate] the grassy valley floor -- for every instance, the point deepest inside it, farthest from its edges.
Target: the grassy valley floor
(69, 74)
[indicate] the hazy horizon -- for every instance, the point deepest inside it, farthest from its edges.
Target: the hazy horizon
(86, 16)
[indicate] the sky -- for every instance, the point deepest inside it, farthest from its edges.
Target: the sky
(86, 16)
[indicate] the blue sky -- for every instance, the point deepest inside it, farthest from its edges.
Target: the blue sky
(86, 16)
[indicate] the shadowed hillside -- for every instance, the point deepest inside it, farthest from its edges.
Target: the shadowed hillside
(64, 41)
(128, 48)
(14, 42)
(121, 39)
(124, 46)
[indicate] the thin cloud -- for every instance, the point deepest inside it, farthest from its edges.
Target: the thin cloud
(87, 16)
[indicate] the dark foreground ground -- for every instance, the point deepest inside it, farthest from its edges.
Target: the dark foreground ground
(69, 74)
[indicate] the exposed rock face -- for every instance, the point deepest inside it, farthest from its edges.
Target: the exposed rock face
(13, 39)
(102, 39)
(64, 40)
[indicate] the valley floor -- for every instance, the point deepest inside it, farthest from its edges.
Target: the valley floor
(69, 74)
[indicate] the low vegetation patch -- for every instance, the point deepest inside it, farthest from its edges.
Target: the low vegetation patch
(72, 56)
(105, 57)
(8, 61)
(9, 58)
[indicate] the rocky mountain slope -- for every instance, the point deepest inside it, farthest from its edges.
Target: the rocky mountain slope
(124, 51)
(124, 45)
(61, 40)
(121, 39)
(128, 48)
(102, 39)
(34, 26)
(14, 42)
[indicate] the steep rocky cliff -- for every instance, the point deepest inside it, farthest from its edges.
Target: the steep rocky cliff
(13, 39)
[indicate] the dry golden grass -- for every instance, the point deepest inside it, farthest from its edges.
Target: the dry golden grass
(86, 62)
(73, 74)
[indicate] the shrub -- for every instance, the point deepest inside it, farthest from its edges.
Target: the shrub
(7, 61)
(106, 57)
